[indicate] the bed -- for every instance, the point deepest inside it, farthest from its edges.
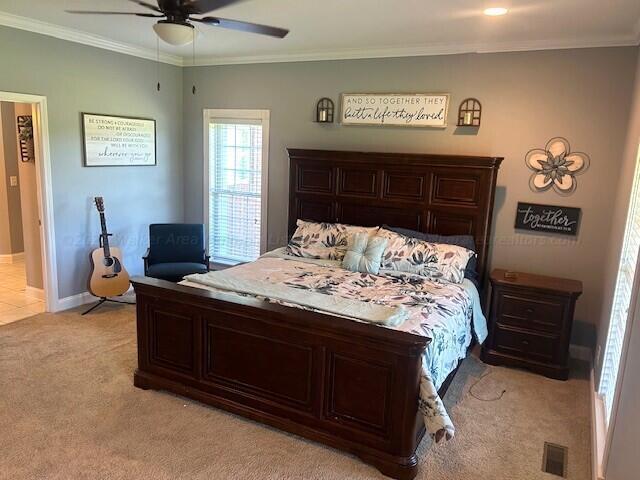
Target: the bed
(349, 384)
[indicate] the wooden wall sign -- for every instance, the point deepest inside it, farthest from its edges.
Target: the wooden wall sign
(25, 137)
(111, 140)
(547, 218)
(395, 109)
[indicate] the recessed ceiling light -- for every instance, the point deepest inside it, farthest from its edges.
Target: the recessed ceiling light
(495, 11)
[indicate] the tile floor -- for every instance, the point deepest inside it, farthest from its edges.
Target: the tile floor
(15, 303)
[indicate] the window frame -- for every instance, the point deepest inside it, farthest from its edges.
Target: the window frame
(610, 426)
(263, 116)
(607, 425)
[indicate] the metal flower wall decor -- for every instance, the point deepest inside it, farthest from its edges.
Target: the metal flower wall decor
(556, 166)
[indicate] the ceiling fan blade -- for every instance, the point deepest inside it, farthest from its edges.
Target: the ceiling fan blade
(243, 26)
(147, 5)
(205, 6)
(100, 12)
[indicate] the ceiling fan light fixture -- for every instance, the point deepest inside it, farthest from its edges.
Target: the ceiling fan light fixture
(176, 34)
(496, 11)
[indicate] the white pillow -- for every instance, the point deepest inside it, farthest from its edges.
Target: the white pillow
(326, 241)
(364, 253)
(438, 261)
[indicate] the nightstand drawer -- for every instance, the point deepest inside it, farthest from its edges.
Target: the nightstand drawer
(532, 313)
(525, 344)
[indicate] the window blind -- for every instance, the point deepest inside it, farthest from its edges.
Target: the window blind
(621, 298)
(235, 178)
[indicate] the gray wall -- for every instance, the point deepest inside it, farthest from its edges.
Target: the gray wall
(12, 169)
(75, 79)
(5, 229)
(10, 215)
(30, 213)
(528, 98)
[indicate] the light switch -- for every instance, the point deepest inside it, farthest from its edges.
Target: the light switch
(13, 180)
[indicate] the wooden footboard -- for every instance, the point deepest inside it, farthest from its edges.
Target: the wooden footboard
(350, 385)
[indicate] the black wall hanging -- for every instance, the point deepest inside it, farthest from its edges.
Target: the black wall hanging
(25, 135)
(324, 110)
(470, 113)
(547, 218)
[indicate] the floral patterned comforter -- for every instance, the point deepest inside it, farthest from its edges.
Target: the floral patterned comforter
(441, 311)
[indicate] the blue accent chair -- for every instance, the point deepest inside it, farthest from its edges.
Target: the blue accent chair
(175, 250)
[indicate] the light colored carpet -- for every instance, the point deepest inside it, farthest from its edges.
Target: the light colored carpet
(69, 410)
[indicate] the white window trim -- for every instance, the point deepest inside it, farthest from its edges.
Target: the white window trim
(607, 426)
(634, 311)
(240, 114)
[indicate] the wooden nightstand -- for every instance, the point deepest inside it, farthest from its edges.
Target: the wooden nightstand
(530, 322)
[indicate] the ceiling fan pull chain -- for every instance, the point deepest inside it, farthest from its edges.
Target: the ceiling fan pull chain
(158, 61)
(193, 59)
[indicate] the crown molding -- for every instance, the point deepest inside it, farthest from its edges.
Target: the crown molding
(422, 50)
(84, 38)
(72, 35)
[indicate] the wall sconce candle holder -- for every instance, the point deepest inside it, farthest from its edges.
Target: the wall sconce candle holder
(469, 113)
(324, 110)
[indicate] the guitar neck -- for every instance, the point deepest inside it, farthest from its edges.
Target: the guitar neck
(105, 235)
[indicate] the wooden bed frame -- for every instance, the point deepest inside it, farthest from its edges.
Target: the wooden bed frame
(350, 385)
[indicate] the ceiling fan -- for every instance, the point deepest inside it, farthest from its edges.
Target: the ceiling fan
(176, 27)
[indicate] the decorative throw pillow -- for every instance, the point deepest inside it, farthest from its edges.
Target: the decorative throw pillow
(437, 261)
(364, 253)
(326, 241)
(465, 241)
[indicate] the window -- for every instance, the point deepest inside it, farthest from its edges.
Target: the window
(236, 150)
(622, 298)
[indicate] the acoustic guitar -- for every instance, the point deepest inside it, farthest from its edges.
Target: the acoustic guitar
(108, 276)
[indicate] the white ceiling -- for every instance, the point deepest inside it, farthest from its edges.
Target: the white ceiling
(327, 29)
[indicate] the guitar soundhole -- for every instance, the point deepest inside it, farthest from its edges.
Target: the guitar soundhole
(113, 263)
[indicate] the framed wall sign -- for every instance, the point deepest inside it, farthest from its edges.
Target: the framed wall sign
(547, 218)
(111, 140)
(395, 109)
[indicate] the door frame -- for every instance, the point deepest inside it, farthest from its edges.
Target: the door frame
(44, 191)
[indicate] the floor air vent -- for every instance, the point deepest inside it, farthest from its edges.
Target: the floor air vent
(554, 460)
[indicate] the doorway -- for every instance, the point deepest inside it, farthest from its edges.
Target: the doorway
(28, 283)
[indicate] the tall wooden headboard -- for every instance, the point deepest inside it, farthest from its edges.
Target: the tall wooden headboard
(443, 194)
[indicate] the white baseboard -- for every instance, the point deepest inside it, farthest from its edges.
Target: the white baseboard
(580, 352)
(74, 301)
(598, 428)
(11, 257)
(34, 292)
(80, 299)
(598, 431)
